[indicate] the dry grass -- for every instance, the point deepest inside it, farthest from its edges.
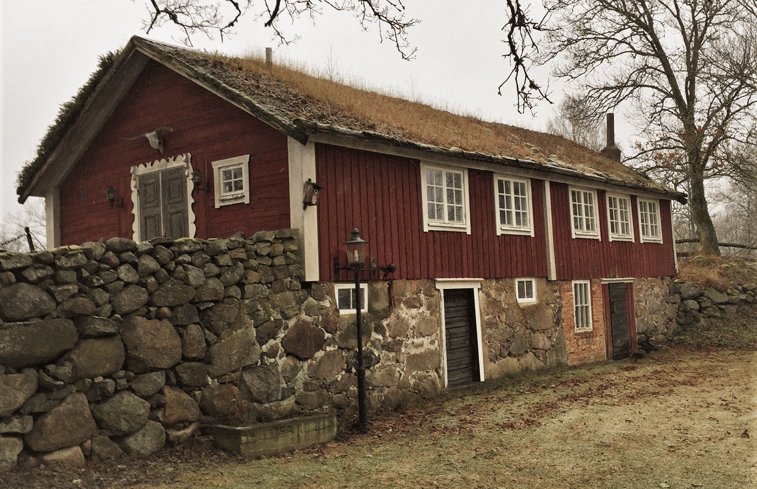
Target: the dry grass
(675, 419)
(720, 273)
(330, 100)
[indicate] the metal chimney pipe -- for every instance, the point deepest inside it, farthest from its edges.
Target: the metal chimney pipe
(268, 58)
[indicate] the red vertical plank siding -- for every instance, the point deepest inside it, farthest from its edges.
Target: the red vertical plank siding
(206, 127)
(381, 196)
(591, 258)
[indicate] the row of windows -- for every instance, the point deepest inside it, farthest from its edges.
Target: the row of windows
(525, 291)
(348, 301)
(446, 208)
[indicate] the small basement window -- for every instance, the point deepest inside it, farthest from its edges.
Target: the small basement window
(232, 181)
(525, 290)
(347, 301)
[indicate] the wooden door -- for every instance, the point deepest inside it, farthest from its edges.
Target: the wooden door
(619, 321)
(461, 337)
(163, 204)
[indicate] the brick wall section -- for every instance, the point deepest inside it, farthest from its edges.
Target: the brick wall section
(589, 346)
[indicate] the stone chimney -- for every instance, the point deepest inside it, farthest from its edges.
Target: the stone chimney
(611, 151)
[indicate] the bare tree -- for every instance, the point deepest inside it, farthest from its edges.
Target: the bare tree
(690, 67)
(522, 50)
(577, 122)
(13, 234)
(736, 219)
(220, 16)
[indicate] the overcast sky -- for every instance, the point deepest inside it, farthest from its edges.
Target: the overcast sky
(51, 47)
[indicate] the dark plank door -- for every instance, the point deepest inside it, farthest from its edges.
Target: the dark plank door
(460, 334)
(619, 322)
(163, 204)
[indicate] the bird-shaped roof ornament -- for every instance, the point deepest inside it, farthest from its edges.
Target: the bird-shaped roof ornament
(153, 137)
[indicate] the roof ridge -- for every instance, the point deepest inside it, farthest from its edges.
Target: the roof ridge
(301, 104)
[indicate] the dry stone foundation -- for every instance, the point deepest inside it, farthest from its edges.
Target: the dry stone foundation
(695, 303)
(117, 347)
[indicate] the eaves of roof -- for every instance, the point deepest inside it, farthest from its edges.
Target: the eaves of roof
(300, 125)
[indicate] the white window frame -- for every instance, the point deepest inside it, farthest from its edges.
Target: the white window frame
(616, 235)
(445, 224)
(582, 313)
(184, 161)
(650, 226)
(239, 196)
(351, 288)
(525, 299)
(579, 221)
(526, 229)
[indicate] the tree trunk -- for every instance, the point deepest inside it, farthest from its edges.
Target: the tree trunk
(700, 214)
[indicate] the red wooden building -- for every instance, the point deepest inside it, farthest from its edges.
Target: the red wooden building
(165, 141)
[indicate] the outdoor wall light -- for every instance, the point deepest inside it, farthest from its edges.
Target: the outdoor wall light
(310, 193)
(110, 194)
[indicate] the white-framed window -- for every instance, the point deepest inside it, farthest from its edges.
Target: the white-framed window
(525, 290)
(649, 221)
(232, 181)
(445, 199)
(619, 218)
(347, 300)
(582, 305)
(514, 209)
(583, 212)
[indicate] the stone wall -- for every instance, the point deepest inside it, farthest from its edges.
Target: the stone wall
(521, 337)
(655, 308)
(117, 346)
(695, 303)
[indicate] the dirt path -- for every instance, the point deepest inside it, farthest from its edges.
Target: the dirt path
(676, 420)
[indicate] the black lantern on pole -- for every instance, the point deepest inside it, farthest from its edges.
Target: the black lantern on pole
(357, 254)
(356, 249)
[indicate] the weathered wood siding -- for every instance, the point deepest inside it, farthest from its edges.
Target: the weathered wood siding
(205, 126)
(380, 195)
(591, 258)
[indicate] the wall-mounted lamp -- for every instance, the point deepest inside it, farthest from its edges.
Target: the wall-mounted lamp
(197, 180)
(110, 194)
(310, 193)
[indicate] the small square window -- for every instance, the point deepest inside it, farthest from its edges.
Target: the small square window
(619, 218)
(525, 290)
(232, 181)
(583, 210)
(649, 221)
(347, 300)
(582, 305)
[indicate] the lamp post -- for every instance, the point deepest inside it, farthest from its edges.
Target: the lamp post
(357, 252)
(356, 249)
